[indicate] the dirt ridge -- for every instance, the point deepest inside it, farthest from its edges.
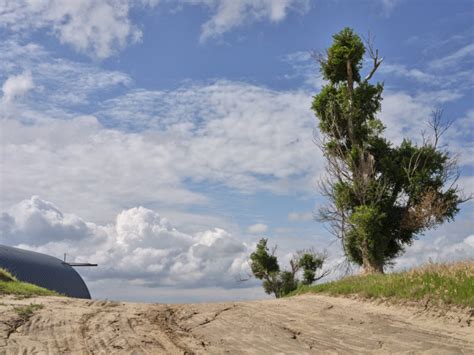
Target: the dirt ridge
(308, 324)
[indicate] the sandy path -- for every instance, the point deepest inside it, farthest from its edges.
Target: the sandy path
(306, 324)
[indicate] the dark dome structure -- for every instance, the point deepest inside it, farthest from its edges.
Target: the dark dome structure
(43, 270)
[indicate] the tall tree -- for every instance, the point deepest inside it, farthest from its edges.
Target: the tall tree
(381, 196)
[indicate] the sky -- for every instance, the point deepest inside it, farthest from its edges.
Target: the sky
(162, 139)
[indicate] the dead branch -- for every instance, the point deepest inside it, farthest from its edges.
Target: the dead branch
(374, 55)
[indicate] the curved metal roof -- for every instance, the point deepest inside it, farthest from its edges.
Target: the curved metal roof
(43, 270)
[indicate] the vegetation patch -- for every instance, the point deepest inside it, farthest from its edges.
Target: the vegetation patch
(25, 312)
(9, 285)
(449, 284)
(264, 266)
(6, 276)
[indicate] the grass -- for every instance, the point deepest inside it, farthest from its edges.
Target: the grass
(25, 312)
(450, 284)
(9, 285)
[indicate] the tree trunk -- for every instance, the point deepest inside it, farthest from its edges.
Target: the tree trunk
(371, 267)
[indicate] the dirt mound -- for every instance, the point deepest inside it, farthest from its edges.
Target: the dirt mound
(298, 325)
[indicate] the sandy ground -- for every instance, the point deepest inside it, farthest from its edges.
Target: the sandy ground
(309, 324)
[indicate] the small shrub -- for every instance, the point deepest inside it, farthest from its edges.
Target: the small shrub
(26, 312)
(264, 266)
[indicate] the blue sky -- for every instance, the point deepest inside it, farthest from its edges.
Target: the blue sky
(162, 139)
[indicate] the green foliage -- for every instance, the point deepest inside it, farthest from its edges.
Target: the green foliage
(262, 262)
(287, 283)
(368, 225)
(347, 47)
(9, 285)
(442, 283)
(382, 196)
(310, 262)
(264, 266)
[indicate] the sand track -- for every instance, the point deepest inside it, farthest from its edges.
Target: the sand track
(300, 325)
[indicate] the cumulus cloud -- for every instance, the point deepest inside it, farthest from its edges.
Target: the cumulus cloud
(17, 86)
(140, 246)
(37, 222)
(257, 228)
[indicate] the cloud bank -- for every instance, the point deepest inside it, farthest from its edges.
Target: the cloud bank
(140, 246)
(241, 136)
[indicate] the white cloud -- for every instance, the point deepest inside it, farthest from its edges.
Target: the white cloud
(100, 28)
(439, 250)
(306, 67)
(388, 6)
(453, 60)
(89, 26)
(231, 14)
(144, 254)
(458, 140)
(76, 162)
(242, 136)
(17, 86)
(257, 228)
(407, 115)
(140, 246)
(238, 135)
(37, 222)
(411, 73)
(58, 81)
(300, 216)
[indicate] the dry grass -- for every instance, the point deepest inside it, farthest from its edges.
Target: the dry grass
(26, 312)
(451, 284)
(6, 276)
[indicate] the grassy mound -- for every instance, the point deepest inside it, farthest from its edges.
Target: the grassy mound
(9, 285)
(451, 284)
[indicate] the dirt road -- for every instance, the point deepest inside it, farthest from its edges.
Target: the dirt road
(300, 325)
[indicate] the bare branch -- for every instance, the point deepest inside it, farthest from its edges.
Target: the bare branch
(239, 277)
(374, 54)
(438, 127)
(323, 274)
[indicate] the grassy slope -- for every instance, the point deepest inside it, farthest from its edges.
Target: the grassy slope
(443, 283)
(9, 285)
